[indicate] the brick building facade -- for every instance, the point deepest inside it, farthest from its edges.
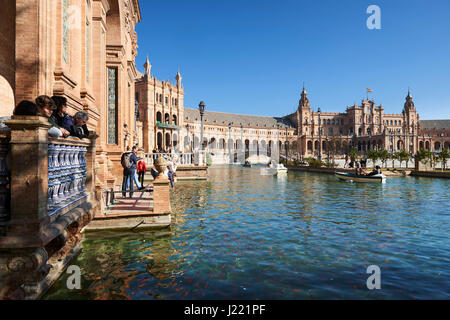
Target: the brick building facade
(83, 50)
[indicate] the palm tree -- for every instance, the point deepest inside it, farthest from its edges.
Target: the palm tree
(423, 156)
(443, 156)
(393, 156)
(373, 155)
(353, 155)
(384, 156)
(403, 156)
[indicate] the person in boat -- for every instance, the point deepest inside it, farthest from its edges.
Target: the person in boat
(375, 171)
(358, 169)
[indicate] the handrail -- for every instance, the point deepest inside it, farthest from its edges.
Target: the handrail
(66, 174)
(178, 158)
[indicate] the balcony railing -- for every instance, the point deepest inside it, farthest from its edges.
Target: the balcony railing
(176, 158)
(167, 125)
(196, 158)
(66, 175)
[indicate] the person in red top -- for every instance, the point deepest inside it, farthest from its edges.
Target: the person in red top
(141, 168)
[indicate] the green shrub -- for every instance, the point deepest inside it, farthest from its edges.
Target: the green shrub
(314, 163)
(208, 159)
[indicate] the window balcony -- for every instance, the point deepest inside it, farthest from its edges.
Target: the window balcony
(167, 125)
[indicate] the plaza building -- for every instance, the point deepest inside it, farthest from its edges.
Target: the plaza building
(160, 107)
(83, 50)
(307, 132)
(366, 127)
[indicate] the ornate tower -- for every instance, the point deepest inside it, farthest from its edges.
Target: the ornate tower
(303, 113)
(178, 79)
(147, 68)
(410, 124)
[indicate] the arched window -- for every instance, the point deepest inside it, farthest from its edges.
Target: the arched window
(158, 117)
(437, 146)
(328, 121)
(174, 119)
(166, 118)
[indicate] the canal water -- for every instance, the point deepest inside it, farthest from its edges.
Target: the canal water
(241, 235)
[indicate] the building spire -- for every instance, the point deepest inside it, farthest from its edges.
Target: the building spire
(409, 104)
(178, 78)
(304, 101)
(147, 67)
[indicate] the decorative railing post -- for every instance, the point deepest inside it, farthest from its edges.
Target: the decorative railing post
(4, 181)
(49, 205)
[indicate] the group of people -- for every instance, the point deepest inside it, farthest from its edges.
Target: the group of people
(134, 169)
(55, 110)
(360, 172)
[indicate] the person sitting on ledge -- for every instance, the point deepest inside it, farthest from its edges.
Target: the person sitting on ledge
(45, 108)
(153, 172)
(79, 128)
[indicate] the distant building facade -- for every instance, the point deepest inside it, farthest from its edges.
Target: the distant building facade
(306, 133)
(365, 127)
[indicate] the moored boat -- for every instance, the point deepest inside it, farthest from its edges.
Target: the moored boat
(360, 178)
(247, 164)
(274, 169)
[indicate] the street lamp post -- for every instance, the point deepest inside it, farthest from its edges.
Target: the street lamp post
(278, 141)
(286, 143)
(320, 137)
(188, 127)
(136, 118)
(201, 108)
(229, 144)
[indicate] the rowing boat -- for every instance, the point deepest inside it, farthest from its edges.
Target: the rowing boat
(360, 178)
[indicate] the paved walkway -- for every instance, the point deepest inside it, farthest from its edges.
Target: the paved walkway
(141, 203)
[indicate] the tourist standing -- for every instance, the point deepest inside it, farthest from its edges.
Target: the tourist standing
(170, 175)
(141, 169)
(129, 163)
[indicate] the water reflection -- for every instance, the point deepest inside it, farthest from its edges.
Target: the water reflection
(241, 235)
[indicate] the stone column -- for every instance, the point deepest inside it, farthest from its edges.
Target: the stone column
(161, 189)
(23, 260)
(29, 167)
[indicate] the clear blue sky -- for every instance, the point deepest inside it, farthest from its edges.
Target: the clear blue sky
(251, 57)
